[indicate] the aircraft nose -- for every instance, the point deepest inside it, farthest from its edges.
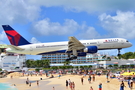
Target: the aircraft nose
(130, 44)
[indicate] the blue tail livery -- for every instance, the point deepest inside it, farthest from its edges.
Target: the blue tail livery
(14, 37)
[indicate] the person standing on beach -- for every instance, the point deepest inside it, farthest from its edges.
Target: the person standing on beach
(100, 86)
(122, 85)
(91, 88)
(73, 86)
(53, 88)
(93, 77)
(131, 84)
(37, 83)
(30, 84)
(59, 76)
(27, 82)
(89, 79)
(67, 84)
(107, 75)
(11, 76)
(82, 80)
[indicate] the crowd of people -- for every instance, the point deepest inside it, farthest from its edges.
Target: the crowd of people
(91, 77)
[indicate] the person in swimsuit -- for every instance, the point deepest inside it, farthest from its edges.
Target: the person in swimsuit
(91, 88)
(82, 80)
(67, 83)
(93, 77)
(89, 79)
(37, 83)
(73, 86)
(122, 85)
(30, 84)
(100, 86)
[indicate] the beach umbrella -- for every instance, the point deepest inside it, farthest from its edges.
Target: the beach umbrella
(132, 73)
(125, 73)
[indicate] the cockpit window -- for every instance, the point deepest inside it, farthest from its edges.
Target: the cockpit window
(127, 41)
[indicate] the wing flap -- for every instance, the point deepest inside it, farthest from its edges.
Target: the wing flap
(74, 44)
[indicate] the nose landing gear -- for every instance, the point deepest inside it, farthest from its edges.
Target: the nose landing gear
(119, 51)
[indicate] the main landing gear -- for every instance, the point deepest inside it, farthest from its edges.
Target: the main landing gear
(74, 56)
(71, 58)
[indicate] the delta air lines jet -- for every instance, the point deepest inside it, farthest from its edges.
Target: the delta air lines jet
(73, 47)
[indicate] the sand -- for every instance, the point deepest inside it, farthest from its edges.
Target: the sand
(60, 83)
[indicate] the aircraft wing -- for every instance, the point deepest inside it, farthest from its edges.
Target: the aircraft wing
(74, 44)
(10, 46)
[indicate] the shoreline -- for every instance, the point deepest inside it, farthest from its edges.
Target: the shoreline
(20, 83)
(60, 83)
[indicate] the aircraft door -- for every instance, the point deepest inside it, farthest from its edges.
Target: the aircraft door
(122, 42)
(31, 49)
(98, 43)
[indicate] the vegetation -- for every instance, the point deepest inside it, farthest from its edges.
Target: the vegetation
(66, 63)
(38, 63)
(128, 55)
(106, 58)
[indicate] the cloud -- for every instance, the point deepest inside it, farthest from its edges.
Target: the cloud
(46, 27)
(34, 40)
(88, 32)
(88, 5)
(17, 11)
(120, 25)
(70, 27)
(2, 35)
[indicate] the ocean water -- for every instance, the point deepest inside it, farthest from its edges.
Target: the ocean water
(5, 86)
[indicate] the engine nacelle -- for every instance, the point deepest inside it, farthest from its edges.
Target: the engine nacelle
(91, 49)
(82, 54)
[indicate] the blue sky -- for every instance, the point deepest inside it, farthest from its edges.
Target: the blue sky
(56, 20)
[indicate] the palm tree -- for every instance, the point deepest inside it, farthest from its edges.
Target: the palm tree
(46, 63)
(28, 64)
(108, 58)
(115, 65)
(90, 66)
(132, 66)
(104, 57)
(85, 67)
(38, 63)
(54, 67)
(82, 67)
(76, 67)
(110, 66)
(66, 63)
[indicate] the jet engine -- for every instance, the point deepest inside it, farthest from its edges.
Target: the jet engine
(81, 54)
(90, 49)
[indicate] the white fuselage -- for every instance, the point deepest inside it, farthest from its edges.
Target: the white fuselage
(102, 44)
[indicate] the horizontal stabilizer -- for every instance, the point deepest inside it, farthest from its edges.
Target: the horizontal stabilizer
(10, 46)
(15, 47)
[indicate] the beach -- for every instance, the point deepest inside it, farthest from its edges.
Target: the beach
(60, 83)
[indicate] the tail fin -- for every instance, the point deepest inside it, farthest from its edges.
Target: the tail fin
(14, 37)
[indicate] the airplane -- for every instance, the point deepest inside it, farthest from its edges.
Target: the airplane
(73, 47)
